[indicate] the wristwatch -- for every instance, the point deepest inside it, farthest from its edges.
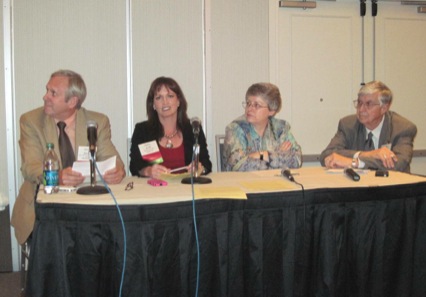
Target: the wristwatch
(355, 161)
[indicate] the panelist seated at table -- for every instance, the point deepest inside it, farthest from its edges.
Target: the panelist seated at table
(65, 93)
(169, 128)
(257, 140)
(374, 137)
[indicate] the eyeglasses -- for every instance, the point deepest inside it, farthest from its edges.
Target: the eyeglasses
(368, 104)
(255, 105)
(129, 186)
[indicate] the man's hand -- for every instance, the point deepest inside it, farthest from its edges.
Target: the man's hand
(383, 154)
(68, 177)
(115, 175)
(337, 161)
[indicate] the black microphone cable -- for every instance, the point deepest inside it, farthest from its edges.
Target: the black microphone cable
(304, 203)
(122, 225)
(287, 173)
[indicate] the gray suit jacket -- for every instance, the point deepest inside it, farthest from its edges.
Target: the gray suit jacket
(37, 129)
(396, 131)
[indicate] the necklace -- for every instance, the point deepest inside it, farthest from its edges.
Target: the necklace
(169, 143)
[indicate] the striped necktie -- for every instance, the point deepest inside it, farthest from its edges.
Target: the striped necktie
(369, 144)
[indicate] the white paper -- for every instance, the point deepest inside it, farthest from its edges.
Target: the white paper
(179, 169)
(150, 152)
(84, 166)
(148, 148)
(83, 153)
(341, 171)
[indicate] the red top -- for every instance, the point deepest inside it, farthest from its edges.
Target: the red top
(173, 157)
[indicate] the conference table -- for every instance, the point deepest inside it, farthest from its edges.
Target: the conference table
(257, 233)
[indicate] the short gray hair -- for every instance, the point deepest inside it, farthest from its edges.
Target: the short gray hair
(76, 85)
(376, 86)
(269, 92)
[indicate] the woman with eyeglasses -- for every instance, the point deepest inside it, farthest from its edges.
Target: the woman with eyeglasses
(257, 140)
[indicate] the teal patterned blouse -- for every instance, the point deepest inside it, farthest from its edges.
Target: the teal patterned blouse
(241, 140)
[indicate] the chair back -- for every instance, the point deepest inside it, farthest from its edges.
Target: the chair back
(220, 138)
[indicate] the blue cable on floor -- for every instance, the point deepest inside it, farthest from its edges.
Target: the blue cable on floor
(125, 238)
(122, 225)
(194, 217)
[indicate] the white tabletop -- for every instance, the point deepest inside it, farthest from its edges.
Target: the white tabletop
(231, 185)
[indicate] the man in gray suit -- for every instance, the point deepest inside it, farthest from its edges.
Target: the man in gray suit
(65, 93)
(373, 138)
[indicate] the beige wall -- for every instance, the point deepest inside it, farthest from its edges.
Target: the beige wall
(86, 36)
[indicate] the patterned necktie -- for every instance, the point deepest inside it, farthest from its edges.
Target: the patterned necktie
(65, 147)
(369, 145)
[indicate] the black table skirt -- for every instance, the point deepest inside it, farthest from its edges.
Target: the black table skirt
(328, 242)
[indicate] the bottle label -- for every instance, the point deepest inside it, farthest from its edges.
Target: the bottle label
(50, 177)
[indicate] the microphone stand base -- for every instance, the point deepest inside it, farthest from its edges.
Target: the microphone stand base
(92, 190)
(197, 180)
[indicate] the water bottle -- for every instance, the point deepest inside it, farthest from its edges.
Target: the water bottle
(50, 170)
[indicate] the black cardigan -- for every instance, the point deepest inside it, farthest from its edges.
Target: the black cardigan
(144, 133)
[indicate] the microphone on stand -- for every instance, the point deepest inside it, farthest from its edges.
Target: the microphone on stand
(195, 178)
(92, 137)
(196, 124)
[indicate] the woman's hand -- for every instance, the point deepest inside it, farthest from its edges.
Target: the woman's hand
(154, 171)
(285, 146)
(262, 155)
(200, 168)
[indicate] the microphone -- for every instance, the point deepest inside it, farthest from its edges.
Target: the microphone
(352, 174)
(287, 174)
(92, 136)
(196, 124)
(195, 178)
